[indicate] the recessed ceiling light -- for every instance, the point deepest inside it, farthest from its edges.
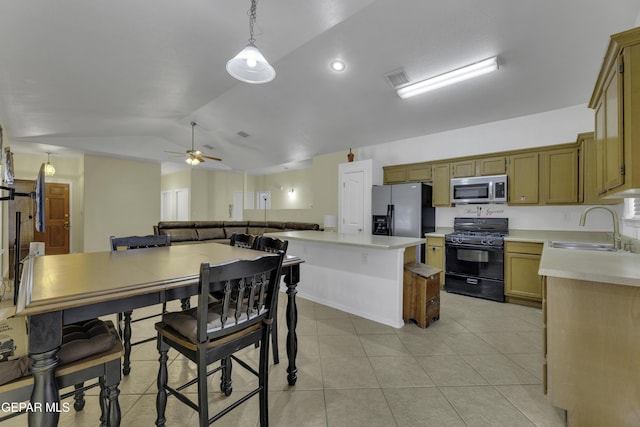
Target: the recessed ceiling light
(337, 65)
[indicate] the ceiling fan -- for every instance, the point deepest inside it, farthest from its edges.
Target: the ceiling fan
(194, 156)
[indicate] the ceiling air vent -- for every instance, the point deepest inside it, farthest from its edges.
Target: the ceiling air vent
(243, 134)
(397, 78)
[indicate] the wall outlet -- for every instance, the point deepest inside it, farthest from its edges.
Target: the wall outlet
(364, 259)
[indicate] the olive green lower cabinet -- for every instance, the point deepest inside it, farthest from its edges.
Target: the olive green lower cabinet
(435, 254)
(592, 351)
(522, 284)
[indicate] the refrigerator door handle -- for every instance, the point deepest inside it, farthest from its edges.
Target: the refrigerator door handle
(390, 219)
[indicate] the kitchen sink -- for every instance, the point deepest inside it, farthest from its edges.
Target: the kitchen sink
(584, 246)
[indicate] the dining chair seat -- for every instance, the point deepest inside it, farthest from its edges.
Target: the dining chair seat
(214, 332)
(90, 350)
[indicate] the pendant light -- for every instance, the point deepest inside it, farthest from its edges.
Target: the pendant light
(249, 65)
(49, 170)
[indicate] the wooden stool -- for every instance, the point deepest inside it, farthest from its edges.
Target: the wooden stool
(421, 294)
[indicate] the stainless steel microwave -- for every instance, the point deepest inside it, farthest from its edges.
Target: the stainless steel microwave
(479, 189)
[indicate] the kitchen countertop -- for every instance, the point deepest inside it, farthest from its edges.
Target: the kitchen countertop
(360, 240)
(440, 232)
(621, 268)
(542, 236)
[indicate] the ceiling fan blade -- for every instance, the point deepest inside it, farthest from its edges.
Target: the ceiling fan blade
(212, 158)
(174, 152)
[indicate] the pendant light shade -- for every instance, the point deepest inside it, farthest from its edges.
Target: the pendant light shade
(249, 65)
(49, 170)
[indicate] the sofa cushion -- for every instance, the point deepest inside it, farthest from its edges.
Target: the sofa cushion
(208, 224)
(261, 230)
(231, 227)
(180, 234)
(280, 225)
(258, 231)
(210, 233)
(301, 226)
(235, 224)
(228, 231)
(176, 224)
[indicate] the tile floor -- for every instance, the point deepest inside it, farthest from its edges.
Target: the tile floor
(479, 365)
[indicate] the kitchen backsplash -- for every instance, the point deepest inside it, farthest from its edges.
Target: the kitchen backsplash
(534, 217)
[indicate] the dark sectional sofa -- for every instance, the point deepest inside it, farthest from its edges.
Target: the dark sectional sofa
(220, 231)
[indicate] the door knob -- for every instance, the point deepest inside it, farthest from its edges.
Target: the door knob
(66, 225)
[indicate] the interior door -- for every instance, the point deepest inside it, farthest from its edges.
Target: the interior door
(353, 202)
(57, 220)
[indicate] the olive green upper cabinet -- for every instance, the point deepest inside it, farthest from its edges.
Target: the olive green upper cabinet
(492, 166)
(420, 172)
(395, 174)
(616, 101)
(463, 169)
(441, 185)
(523, 179)
(559, 176)
(590, 182)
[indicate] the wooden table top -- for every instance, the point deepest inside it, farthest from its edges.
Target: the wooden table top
(58, 282)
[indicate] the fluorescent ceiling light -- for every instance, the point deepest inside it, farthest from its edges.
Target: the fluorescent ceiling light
(449, 78)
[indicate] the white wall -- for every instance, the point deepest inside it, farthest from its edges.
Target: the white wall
(121, 198)
(548, 128)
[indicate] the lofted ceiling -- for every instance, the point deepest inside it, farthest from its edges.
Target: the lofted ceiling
(126, 78)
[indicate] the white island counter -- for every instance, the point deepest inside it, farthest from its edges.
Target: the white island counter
(359, 274)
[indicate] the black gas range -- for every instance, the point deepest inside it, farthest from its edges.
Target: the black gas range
(474, 257)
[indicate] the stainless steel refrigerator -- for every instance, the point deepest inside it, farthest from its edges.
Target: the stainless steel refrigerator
(403, 210)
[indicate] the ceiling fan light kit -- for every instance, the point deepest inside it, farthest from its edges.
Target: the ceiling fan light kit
(195, 157)
(250, 65)
(449, 78)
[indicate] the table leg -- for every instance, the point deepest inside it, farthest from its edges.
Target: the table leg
(45, 338)
(291, 279)
(126, 340)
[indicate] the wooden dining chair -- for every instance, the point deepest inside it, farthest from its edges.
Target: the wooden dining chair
(242, 240)
(265, 244)
(215, 332)
(90, 349)
(124, 319)
(272, 244)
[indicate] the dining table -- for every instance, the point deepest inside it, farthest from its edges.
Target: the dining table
(56, 290)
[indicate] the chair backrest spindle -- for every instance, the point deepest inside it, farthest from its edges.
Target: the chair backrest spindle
(248, 288)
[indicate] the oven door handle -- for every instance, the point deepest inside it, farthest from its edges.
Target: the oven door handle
(475, 247)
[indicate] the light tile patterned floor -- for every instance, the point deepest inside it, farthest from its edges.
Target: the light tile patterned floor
(479, 365)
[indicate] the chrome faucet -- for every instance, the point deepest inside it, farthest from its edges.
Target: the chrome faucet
(617, 240)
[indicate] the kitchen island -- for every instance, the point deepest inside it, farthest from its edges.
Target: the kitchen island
(591, 324)
(359, 274)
